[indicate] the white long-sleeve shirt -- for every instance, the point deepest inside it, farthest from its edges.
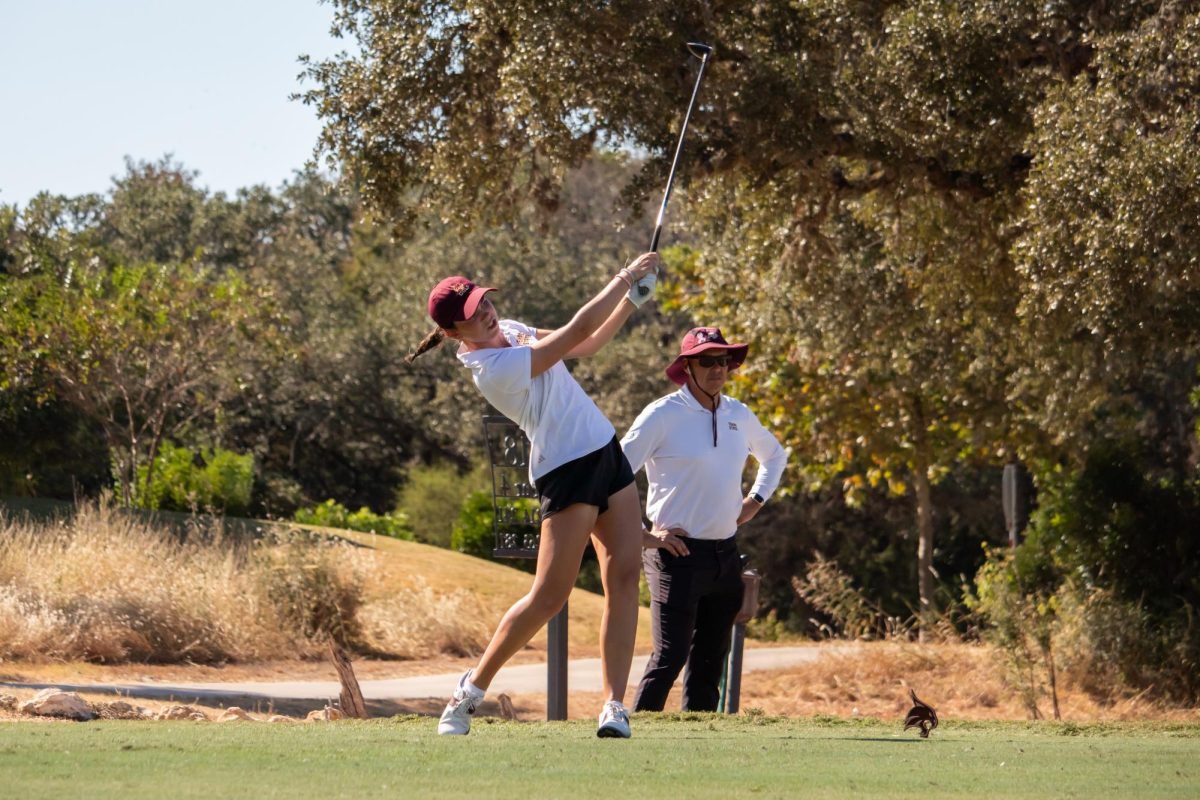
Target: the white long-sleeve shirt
(694, 485)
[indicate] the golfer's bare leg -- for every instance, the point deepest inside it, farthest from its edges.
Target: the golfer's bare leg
(564, 537)
(618, 540)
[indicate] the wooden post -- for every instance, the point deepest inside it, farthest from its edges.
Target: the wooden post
(731, 696)
(351, 696)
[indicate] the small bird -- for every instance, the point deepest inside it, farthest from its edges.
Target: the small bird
(920, 716)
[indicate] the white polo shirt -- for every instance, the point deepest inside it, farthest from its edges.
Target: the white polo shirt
(561, 421)
(694, 485)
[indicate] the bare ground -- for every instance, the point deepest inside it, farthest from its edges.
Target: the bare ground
(961, 681)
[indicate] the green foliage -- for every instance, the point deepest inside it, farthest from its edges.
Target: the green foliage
(872, 543)
(138, 351)
(433, 497)
(473, 532)
(311, 382)
(181, 479)
(1108, 249)
(1015, 594)
(1116, 526)
(332, 514)
(53, 451)
(981, 216)
(767, 628)
(328, 407)
(1106, 583)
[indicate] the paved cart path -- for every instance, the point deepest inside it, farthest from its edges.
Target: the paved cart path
(583, 675)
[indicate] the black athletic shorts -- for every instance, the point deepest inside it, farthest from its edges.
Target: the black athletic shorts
(590, 479)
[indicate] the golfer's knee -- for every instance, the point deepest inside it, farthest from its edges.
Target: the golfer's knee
(623, 576)
(546, 601)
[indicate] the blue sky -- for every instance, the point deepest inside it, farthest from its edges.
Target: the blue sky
(85, 83)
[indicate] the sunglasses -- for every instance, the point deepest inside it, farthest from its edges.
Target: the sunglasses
(708, 362)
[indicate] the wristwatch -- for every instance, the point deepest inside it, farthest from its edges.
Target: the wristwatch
(758, 498)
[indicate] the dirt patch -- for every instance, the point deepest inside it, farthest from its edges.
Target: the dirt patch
(283, 670)
(961, 681)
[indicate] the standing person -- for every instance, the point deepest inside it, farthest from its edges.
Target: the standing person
(693, 444)
(576, 464)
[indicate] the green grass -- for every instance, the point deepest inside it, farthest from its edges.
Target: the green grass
(692, 756)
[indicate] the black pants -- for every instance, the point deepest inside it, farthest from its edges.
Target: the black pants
(693, 601)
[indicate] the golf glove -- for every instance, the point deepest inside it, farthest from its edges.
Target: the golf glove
(643, 290)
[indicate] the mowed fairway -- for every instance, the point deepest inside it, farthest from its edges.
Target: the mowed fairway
(672, 755)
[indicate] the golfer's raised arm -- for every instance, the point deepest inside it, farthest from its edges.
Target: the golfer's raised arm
(600, 317)
(603, 335)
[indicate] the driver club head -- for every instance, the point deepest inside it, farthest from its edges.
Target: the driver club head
(699, 50)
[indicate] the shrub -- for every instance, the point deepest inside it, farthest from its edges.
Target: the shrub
(473, 533)
(432, 497)
(315, 590)
(1105, 586)
(188, 480)
(279, 496)
(766, 628)
(848, 613)
(1015, 594)
(332, 514)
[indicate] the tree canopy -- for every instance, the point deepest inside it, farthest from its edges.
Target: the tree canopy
(954, 233)
(965, 229)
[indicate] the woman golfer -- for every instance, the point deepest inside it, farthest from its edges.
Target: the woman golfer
(582, 478)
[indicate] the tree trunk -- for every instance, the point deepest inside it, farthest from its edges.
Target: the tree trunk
(925, 572)
(151, 458)
(1052, 673)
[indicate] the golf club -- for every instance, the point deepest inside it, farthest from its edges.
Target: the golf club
(702, 52)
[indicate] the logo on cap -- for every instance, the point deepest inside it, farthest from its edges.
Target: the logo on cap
(460, 288)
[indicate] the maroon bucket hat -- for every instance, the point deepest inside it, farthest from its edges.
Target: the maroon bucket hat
(703, 340)
(455, 299)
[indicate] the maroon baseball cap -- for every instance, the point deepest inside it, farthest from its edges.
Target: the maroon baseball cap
(703, 340)
(455, 299)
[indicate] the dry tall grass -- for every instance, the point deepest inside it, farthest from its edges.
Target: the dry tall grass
(961, 681)
(417, 622)
(105, 586)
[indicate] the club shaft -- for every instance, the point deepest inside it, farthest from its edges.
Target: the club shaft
(678, 149)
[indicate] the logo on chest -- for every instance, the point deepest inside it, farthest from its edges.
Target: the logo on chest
(524, 339)
(733, 426)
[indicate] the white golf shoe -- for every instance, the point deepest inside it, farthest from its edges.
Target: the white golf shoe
(456, 719)
(614, 721)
